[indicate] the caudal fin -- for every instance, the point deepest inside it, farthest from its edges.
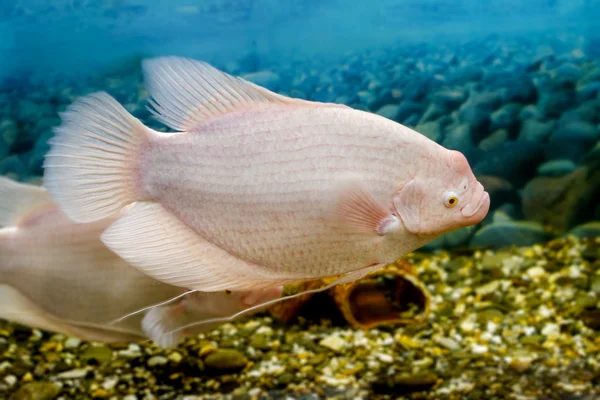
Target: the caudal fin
(90, 170)
(17, 200)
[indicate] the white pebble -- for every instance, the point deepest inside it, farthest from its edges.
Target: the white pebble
(110, 383)
(265, 330)
(11, 380)
(467, 325)
(333, 342)
(479, 349)
(72, 343)
(446, 342)
(386, 358)
(157, 360)
(73, 374)
(551, 330)
(536, 272)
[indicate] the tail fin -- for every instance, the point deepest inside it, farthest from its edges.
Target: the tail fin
(17, 200)
(90, 170)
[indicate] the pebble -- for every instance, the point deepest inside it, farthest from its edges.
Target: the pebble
(72, 343)
(333, 342)
(77, 373)
(226, 360)
(156, 361)
(37, 391)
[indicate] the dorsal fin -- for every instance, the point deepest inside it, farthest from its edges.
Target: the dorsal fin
(17, 200)
(186, 92)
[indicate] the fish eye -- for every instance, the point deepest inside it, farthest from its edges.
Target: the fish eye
(451, 199)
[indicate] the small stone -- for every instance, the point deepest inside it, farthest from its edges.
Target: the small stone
(521, 361)
(157, 360)
(100, 354)
(333, 342)
(72, 343)
(494, 140)
(226, 360)
(536, 131)
(110, 383)
(207, 349)
(536, 272)
(77, 373)
(447, 342)
(36, 391)
(518, 233)
(176, 357)
(479, 349)
(11, 380)
(556, 168)
(404, 383)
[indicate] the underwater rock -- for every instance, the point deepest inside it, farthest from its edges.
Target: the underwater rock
(506, 117)
(508, 233)
(37, 154)
(389, 111)
(553, 103)
(449, 100)
(561, 202)
(536, 131)
(466, 73)
(455, 238)
(566, 73)
(432, 113)
(13, 166)
(477, 118)
(405, 383)
(556, 168)
(519, 89)
(458, 137)
(36, 391)
(494, 140)
(571, 141)
(432, 130)
(589, 229)
(408, 109)
(100, 354)
(225, 361)
(8, 135)
(515, 161)
(588, 91)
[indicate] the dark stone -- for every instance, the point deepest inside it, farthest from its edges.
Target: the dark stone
(404, 383)
(509, 233)
(514, 161)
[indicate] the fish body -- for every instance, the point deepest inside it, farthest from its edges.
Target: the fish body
(56, 274)
(255, 189)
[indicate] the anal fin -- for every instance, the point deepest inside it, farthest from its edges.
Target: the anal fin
(160, 245)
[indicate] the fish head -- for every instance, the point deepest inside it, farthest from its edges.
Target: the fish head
(441, 197)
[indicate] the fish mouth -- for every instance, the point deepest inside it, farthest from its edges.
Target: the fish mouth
(470, 210)
(484, 201)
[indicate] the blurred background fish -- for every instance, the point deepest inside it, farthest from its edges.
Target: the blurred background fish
(58, 275)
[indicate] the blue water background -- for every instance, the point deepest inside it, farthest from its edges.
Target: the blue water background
(512, 84)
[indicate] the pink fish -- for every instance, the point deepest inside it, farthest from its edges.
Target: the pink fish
(57, 275)
(255, 189)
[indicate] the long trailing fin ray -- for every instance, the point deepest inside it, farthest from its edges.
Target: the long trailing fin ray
(161, 246)
(186, 92)
(17, 200)
(90, 169)
(350, 277)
